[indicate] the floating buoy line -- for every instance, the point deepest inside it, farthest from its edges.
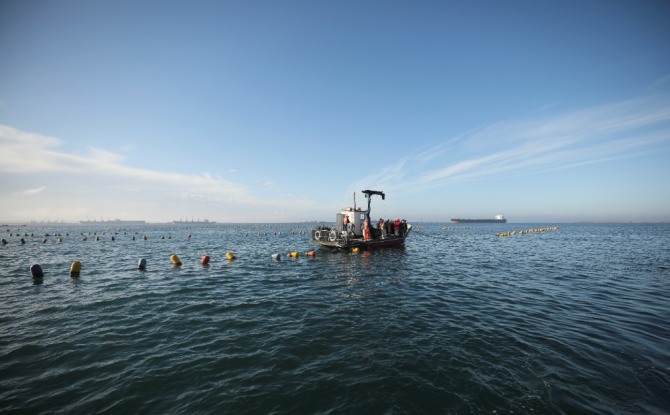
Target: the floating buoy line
(419, 232)
(527, 231)
(75, 269)
(503, 234)
(38, 273)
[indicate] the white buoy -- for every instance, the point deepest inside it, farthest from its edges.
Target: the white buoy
(276, 257)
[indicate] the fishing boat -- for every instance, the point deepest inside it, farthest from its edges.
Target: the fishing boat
(354, 228)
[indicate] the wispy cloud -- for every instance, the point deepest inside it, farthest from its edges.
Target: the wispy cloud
(23, 152)
(33, 191)
(100, 180)
(625, 129)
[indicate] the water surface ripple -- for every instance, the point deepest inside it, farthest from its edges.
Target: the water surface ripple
(575, 320)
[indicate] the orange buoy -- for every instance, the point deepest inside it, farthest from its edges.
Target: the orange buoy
(205, 260)
(310, 253)
(175, 260)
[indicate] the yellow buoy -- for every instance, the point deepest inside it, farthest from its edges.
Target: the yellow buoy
(175, 260)
(355, 250)
(75, 269)
(230, 256)
(294, 254)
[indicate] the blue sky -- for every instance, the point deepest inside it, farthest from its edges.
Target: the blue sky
(262, 111)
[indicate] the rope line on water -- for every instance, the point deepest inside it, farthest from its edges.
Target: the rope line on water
(430, 236)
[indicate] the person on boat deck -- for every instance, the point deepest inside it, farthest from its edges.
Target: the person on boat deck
(365, 228)
(396, 226)
(345, 223)
(380, 226)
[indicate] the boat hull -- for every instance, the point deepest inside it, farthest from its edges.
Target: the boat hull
(333, 239)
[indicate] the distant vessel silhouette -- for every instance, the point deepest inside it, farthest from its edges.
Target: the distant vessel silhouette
(499, 218)
(112, 222)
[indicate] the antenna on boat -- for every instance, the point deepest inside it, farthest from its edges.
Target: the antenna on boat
(354, 201)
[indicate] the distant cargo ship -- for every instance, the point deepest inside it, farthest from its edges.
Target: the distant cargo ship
(498, 219)
(112, 222)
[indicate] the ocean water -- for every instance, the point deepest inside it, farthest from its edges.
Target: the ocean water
(458, 321)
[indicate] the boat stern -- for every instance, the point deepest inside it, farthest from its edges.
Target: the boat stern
(329, 237)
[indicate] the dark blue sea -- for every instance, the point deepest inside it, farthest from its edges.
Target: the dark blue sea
(458, 321)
